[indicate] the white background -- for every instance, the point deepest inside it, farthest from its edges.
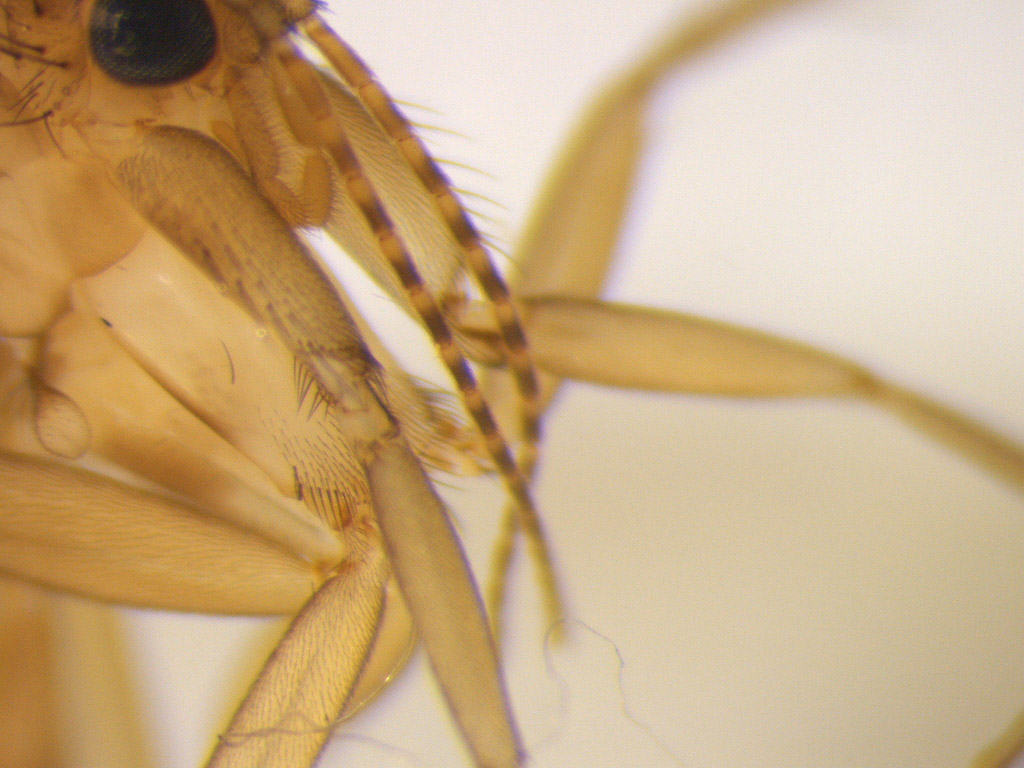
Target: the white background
(787, 584)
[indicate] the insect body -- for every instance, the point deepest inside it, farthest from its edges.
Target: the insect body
(614, 565)
(245, 386)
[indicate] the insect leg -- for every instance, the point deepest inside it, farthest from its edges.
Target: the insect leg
(517, 473)
(65, 687)
(569, 242)
(436, 582)
(102, 714)
(290, 711)
(28, 727)
(628, 346)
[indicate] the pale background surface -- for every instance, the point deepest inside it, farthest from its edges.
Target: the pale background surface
(792, 585)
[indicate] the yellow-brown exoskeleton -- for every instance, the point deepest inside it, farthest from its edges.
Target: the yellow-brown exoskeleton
(175, 333)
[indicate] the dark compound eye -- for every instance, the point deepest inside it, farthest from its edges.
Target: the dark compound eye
(152, 42)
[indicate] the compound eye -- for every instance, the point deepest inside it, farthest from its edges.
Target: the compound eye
(152, 42)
